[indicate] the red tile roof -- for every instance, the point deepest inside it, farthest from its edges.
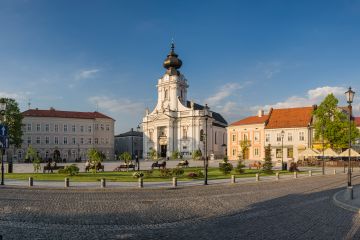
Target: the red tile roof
(251, 120)
(290, 117)
(63, 114)
(357, 121)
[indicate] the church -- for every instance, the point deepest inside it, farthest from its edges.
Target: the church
(177, 124)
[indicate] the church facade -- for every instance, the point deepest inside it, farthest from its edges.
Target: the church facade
(177, 124)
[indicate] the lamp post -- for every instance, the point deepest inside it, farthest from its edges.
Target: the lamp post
(2, 113)
(349, 98)
(206, 110)
(282, 150)
(323, 157)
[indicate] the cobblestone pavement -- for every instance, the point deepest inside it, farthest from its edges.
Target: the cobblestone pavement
(288, 209)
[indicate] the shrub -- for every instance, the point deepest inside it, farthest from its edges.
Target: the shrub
(192, 175)
(196, 154)
(226, 168)
(175, 154)
(240, 166)
(126, 157)
(138, 175)
(177, 171)
(293, 167)
(267, 167)
(70, 170)
(200, 173)
(165, 172)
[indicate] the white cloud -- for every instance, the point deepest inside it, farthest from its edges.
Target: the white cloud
(86, 74)
(225, 91)
(313, 96)
(123, 106)
(19, 96)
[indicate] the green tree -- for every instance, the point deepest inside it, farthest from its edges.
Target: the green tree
(95, 157)
(175, 154)
(267, 167)
(153, 154)
(196, 154)
(126, 157)
(240, 165)
(331, 124)
(244, 145)
(13, 119)
(32, 155)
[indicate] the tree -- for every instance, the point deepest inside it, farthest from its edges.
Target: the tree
(153, 154)
(267, 167)
(196, 154)
(175, 154)
(335, 123)
(95, 157)
(126, 157)
(13, 119)
(32, 155)
(244, 145)
(240, 165)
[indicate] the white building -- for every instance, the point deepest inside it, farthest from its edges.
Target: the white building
(69, 135)
(177, 124)
(296, 125)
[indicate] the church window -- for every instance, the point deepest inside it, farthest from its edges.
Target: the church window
(166, 94)
(201, 135)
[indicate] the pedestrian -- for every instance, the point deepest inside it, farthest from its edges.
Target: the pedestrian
(137, 162)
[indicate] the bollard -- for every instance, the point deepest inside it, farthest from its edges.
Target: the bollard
(174, 182)
(295, 174)
(67, 182)
(233, 179)
(277, 176)
(310, 173)
(257, 177)
(141, 182)
(334, 171)
(103, 183)
(31, 182)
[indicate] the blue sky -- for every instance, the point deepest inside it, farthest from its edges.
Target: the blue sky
(238, 56)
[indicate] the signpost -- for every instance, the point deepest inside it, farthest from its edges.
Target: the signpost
(4, 143)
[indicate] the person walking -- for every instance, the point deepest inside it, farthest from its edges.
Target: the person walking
(137, 162)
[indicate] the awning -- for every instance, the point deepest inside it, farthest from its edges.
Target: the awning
(309, 153)
(353, 153)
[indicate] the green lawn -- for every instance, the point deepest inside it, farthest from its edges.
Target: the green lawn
(213, 173)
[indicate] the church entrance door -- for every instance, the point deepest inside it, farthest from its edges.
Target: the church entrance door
(163, 150)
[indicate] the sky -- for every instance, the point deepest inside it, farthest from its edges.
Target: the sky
(238, 56)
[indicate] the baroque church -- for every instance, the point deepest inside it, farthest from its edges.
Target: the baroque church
(177, 124)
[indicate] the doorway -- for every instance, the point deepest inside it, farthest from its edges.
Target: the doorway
(163, 150)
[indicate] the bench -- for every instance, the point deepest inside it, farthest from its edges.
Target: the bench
(124, 166)
(98, 168)
(52, 168)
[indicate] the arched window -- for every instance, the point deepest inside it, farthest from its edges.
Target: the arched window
(166, 94)
(201, 135)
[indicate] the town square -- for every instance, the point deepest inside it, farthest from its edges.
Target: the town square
(179, 120)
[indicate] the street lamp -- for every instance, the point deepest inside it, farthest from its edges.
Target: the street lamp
(323, 158)
(349, 98)
(206, 111)
(2, 113)
(282, 150)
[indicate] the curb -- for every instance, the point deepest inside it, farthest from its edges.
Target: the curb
(344, 205)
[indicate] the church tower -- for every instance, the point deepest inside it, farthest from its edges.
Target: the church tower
(172, 87)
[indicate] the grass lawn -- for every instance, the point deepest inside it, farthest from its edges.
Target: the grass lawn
(213, 173)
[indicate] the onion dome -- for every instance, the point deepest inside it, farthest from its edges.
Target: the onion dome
(172, 62)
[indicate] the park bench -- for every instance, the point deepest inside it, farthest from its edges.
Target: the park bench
(126, 167)
(183, 164)
(52, 168)
(98, 168)
(158, 165)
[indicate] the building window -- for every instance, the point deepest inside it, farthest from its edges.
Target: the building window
(233, 137)
(202, 135)
(56, 140)
(166, 94)
(65, 140)
(290, 137)
(107, 127)
(38, 127)
(107, 141)
(56, 128)
(29, 127)
(89, 140)
(96, 141)
(301, 136)
(73, 140)
(73, 128)
(257, 136)
(19, 155)
(278, 137)
(184, 133)
(81, 140)
(234, 152)
(256, 152)
(215, 137)
(29, 139)
(47, 140)
(102, 127)
(47, 127)
(65, 127)
(38, 140)
(96, 126)
(278, 152)
(290, 152)
(81, 128)
(267, 137)
(89, 128)
(245, 137)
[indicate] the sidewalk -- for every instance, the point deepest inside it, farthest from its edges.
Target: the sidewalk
(168, 184)
(341, 200)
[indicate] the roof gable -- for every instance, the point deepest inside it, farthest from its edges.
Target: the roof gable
(290, 117)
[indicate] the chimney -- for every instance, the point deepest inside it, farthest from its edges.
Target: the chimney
(260, 113)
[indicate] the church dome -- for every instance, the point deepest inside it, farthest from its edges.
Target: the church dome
(172, 62)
